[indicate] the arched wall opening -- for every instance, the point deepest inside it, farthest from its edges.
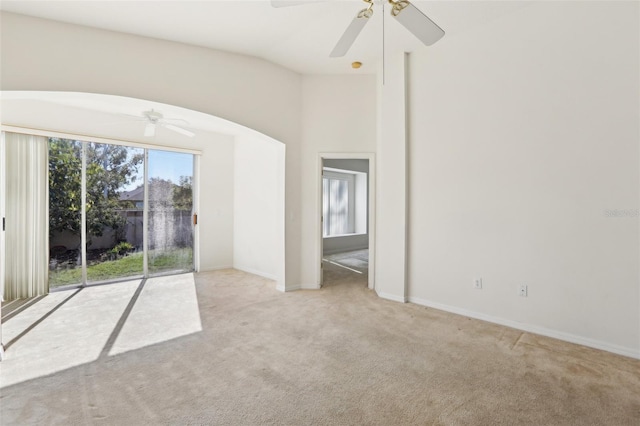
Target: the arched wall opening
(240, 184)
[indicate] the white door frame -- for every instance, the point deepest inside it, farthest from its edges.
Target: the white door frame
(2, 248)
(371, 207)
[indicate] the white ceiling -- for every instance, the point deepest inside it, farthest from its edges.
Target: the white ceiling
(298, 37)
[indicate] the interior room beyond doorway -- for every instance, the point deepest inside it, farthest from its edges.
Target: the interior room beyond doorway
(345, 220)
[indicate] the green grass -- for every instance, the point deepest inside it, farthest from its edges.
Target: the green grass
(178, 259)
(123, 267)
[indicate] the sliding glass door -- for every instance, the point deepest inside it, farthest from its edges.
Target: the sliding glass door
(105, 217)
(170, 183)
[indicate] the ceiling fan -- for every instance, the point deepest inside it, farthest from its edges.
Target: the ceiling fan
(419, 24)
(155, 118)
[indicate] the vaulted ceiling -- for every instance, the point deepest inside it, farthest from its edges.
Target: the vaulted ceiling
(298, 37)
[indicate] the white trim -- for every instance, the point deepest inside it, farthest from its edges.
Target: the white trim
(195, 194)
(543, 331)
(256, 272)
(392, 297)
(83, 212)
(145, 215)
(284, 289)
(353, 234)
(1, 351)
(371, 201)
(308, 287)
(89, 138)
(2, 213)
(216, 268)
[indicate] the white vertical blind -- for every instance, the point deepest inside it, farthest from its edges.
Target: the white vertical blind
(3, 248)
(27, 216)
(335, 197)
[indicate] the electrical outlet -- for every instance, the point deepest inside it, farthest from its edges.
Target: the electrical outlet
(477, 283)
(523, 290)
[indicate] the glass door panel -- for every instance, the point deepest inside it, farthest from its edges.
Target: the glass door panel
(114, 211)
(65, 210)
(170, 226)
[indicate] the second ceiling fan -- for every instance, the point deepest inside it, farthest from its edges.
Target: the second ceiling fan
(155, 118)
(419, 24)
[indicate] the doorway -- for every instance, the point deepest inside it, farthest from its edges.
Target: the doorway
(346, 218)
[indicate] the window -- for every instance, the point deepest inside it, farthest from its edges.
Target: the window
(338, 203)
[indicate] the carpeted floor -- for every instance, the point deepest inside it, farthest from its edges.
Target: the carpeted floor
(227, 348)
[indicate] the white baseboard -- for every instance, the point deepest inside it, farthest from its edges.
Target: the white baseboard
(294, 288)
(543, 331)
(391, 297)
(297, 287)
(345, 249)
(256, 272)
(215, 268)
(309, 287)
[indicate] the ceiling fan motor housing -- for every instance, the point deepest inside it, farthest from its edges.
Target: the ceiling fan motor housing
(153, 116)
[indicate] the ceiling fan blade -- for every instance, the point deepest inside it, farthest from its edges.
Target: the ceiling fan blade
(175, 121)
(287, 3)
(179, 130)
(417, 22)
(150, 130)
(351, 34)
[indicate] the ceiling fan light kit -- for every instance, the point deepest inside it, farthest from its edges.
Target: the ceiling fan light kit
(149, 130)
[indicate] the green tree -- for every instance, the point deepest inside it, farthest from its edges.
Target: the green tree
(160, 194)
(65, 162)
(109, 169)
(183, 194)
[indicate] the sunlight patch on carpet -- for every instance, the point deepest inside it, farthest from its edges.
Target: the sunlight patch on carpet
(167, 308)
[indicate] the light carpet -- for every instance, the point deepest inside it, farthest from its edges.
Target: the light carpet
(335, 356)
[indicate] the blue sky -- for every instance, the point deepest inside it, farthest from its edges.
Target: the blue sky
(170, 165)
(166, 165)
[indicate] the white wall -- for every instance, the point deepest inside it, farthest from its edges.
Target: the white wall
(38, 54)
(391, 206)
(338, 115)
(523, 134)
(258, 231)
(216, 215)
